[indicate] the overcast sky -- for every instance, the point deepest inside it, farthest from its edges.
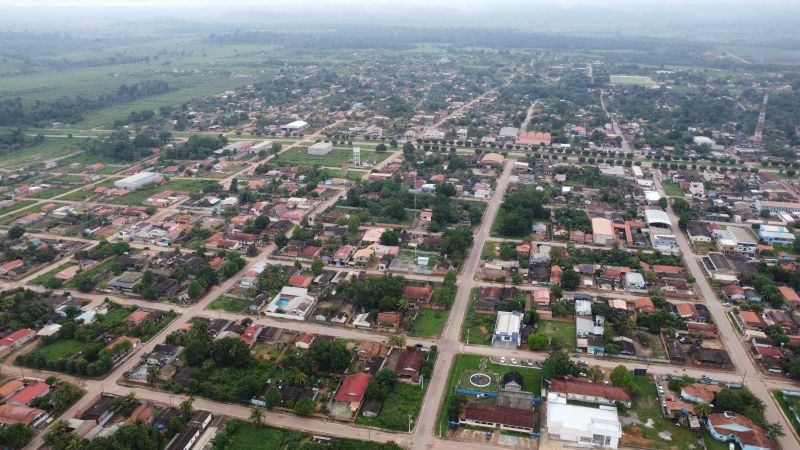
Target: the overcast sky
(638, 17)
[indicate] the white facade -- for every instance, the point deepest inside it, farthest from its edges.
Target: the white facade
(582, 425)
(320, 148)
(665, 243)
(136, 181)
(507, 329)
(295, 126)
(602, 231)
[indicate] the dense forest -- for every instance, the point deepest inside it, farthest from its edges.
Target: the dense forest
(71, 109)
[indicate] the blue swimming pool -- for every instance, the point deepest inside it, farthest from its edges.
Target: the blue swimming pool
(282, 303)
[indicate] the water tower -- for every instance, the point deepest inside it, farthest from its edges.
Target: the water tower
(357, 156)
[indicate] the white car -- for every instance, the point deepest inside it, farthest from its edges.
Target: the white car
(502, 360)
(513, 360)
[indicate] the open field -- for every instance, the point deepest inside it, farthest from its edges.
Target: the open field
(790, 406)
(337, 156)
(229, 304)
(764, 55)
(632, 80)
(139, 196)
(564, 330)
(49, 149)
(403, 401)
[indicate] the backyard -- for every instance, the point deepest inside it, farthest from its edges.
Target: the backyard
(477, 328)
(645, 426)
(790, 405)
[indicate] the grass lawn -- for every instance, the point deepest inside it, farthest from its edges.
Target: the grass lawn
(566, 330)
(61, 348)
(532, 380)
(54, 191)
(630, 79)
(403, 401)
(246, 436)
(477, 328)
(791, 407)
(77, 196)
(430, 323)
(139, 196)
(646, 407)
(16, 206)
(230, 304)
(44, 278)
(94, 271)
(352, 174)
(672, 189)
(37, 154)
(336, 157)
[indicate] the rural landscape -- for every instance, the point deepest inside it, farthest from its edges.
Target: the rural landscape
(274, 225)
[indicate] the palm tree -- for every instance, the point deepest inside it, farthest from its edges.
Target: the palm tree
(775, 429)
(702, 409)
(595, 374)
(397, 340)
(300, 379)
(256, 414)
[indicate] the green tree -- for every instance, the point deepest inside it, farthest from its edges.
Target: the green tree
(559, 365)
(621, 377)
(397, 341)
(390, 237)
(272, 397)
(256, 415)
(538, 341)
(353, 224)
(595, 374)
(304, 407)
(316, 267)
(15, 232)
(764, 213)
(15, 436)
(195, 289)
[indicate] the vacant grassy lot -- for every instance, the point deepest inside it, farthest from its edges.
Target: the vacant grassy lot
(247, 436)
(44, 278)
(790, 406)
(62, 348)
(430, 323)
(403, 401)
(181, 186)
(564, 330)
(337, 156)
(230, 304)
(353, 175)
(477, 328)
(672, 189)
(54, 191)
(631, 79)
(16, 206)
(49, 149)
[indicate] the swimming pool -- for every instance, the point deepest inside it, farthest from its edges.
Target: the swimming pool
(282, 303)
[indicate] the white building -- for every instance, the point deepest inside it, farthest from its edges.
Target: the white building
(774, 234)
(602, 231)
(294, 127)
(737, 240)
(582, 425)
(508, 134)
(320, 148)
(136, 181)
(263, 145)
(507, 330)
(634, 282)
(291, 303)
(657, 218)
(665, 243)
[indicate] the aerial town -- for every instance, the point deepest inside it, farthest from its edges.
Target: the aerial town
(424, 246)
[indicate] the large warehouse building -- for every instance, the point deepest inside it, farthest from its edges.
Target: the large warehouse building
(294, 127)
(137, 180)
(320, 148)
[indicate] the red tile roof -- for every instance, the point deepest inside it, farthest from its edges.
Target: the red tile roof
(704, 392)
(419, 293)
(29, 393)
(11, 414)
(599, 390)
(744, 429)
(353, 388)
(521, 418)
(410, 363)
(16, 336)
